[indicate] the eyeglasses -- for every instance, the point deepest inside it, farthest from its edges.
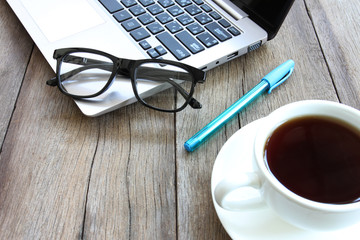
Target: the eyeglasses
(83, 73)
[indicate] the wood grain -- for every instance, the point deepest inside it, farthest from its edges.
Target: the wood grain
(126, 174)
(16, 47)
(296, 40)
(132, 186)
(45, 162)
(337, 24)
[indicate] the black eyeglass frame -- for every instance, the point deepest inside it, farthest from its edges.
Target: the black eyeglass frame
(127, 68)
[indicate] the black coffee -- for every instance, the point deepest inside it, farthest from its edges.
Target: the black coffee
(317, 158)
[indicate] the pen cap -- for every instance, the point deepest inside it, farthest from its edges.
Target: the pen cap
(279, 74)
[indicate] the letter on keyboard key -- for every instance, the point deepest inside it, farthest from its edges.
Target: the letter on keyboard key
(183, 3)
(173, 27)
(166, 3)
(139, 34)
(146, 18)
(203, 18)
(130, 25)
(219, 32)
(146, 3)
(122, 16)
(128, 3)
(207, 39)
(173, 46)
(191, 43)
(195, 28)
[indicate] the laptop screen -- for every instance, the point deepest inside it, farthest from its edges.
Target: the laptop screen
(269, 14)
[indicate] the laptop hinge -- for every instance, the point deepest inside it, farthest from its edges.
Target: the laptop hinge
(231, 9)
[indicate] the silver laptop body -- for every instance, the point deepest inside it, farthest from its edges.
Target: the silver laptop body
(226, 32)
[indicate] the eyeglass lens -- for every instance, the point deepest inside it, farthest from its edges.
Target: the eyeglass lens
(159, 85)
(85, 74)
(172, 84)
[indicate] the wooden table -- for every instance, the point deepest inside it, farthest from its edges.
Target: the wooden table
(126, 175)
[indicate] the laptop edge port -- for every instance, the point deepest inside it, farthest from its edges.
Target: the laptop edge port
(232, 55)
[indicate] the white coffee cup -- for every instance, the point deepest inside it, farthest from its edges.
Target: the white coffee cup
(296, 210)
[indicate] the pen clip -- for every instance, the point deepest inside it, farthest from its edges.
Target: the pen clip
(279, 74)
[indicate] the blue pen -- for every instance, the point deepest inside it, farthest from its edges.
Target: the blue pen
(268, 83)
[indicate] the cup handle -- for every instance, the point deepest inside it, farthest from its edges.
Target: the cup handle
(227, 185)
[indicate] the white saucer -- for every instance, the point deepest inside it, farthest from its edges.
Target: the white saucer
(259, 222)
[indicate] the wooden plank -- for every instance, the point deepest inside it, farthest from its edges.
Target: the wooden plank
(45, 162)
(337, 24)
(126, 175)
(311, 80)
(196, 215)
(16, 47)
(132, 193)
(126, 156)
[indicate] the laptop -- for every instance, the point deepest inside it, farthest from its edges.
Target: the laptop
(200, 33)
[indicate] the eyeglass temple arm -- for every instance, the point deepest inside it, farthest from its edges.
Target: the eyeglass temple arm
(193, 102)
(92, 63)
(108, 66)
(64, 76)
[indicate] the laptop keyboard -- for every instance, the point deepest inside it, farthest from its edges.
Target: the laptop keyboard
(183, 27)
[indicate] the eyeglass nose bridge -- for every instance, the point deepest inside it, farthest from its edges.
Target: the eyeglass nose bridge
(123, 66)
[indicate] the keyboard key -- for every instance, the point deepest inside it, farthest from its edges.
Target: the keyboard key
(161, 50)
(206, 8)
(164, 18)
(215, 15)
(183, 3)
(155, 9)
(224, 23)
(139, 34)
(173, 46)
(219, 32)
(191, 43)
(146, 19)
(128, 3)
(173, 27)
(166, 3)
(146, 3)
(130, 25)
(193, 10)
(175, 10)
(203, 18)
(207, 39)
(137, 10)
(195, 28)
(185, 19)
(155, 28)
(153, 53)
(145, 44)
(111, 5)
(234, 31)
(182, 43)
(122, 16)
